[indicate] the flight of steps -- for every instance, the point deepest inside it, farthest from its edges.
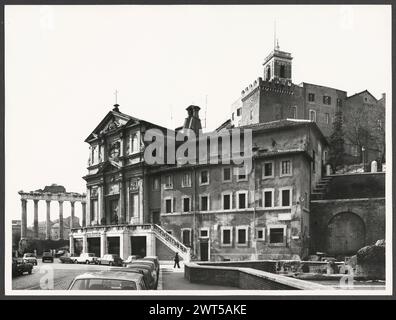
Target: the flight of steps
(321, 188)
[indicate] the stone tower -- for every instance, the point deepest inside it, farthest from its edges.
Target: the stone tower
(278, 66)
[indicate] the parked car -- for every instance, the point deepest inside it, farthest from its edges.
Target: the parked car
(108, 280)
(130, 259)
(133, 270)
(149, 273)
(30, 258)
(111, 260)
(19, 267)
(156, 262)
(87, 258)
(60, 253)
(66, 258)
(47, 256)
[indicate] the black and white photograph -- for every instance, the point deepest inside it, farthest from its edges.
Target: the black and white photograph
(219, 150)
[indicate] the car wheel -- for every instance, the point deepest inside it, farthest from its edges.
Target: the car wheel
(87, 262)
(75, 261)
(110, 264)
(30, 271)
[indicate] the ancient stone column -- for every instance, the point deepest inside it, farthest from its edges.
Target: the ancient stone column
(85, 243)
(84, 214)
(48, 220)
(60, 219)
(71, 244)
(23, 219)
(35, 221)
(103, 244)
(72, 215)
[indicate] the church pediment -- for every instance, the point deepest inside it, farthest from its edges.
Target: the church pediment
(109, 166)
(111, 122)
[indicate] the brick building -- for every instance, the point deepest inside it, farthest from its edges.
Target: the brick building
(274, 96)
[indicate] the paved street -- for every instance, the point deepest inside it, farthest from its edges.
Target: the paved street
(63, 274)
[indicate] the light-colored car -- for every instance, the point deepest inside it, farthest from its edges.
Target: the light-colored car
(111, 260)
(130, 259)
(87, 258)
(30, 258)
(108, 280)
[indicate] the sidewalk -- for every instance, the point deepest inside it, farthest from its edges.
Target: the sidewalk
(173, 279)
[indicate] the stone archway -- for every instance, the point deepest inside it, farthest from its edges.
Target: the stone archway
(345, 234)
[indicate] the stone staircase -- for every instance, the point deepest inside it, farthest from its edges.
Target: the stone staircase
(321, 188)
(172, 243)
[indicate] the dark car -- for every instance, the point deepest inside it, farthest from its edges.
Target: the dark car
(111, 260)
(19, 267)
(47, 256)
(148, 272)
(66, 258)
(156, 262)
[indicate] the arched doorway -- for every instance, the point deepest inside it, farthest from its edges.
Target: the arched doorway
(345, 234)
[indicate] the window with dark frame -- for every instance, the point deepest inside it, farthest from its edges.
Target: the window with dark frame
(239, 111)
(226, 201)
(326, 100)
(242, 236)
(242, 200)
(286, 198)
(204, 233)
(276, 235)
(226, 174)
(186, 204)
(204, 203)
(168, 205)
(226, 236)
(260, 234)
(268, 169)
(268, 199)
(204, 177)
(311, 97)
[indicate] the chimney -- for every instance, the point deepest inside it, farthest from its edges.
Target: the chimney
(193, 121)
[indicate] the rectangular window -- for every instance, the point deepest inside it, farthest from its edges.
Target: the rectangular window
(339, 102)
(186, 180)
(226, 174)
(241, 234)
(286, 168)
(168, 182)
(239, 111)
(241, 174)
(186, 204)
(327, 118)
(242, 199)
(311, 97)
(226, 236)
(204, 203)
(134, 205)
(312, 115)
(276, 235)
(204, 233)
(285, 197)
(168, 206)
(327, 100)
(226, 198)
(204, 177)
(268, 196)
(260, 233)
(94, 210)
(268, 170)
(186, 237)
(313, 161)
(156, 184)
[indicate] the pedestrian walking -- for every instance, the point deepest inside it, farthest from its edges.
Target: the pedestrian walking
(177, 259)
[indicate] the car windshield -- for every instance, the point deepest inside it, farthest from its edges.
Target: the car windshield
(46, 254)
(103, 284)
(91, 255)
(29, 255)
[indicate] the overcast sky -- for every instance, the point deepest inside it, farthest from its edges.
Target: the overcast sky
(63, 64)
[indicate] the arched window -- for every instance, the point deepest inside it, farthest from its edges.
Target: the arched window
(268, 73)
